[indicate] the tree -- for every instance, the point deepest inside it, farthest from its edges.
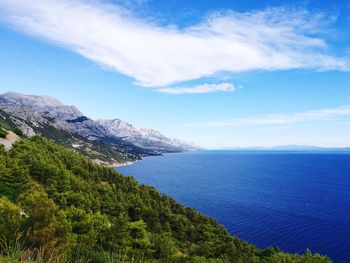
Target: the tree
(14, 179)
(139, 235)
(11, 219)
(45, 224)
(3, 132)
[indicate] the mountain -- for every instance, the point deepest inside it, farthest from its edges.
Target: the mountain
(307, 148)
(43, 110)
(68, 126)
(296, 148)
(301, 148)
(145, 138)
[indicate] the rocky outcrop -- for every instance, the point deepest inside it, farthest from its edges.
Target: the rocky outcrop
(9, 140)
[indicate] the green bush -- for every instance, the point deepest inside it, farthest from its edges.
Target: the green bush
(11, 219)
(3, 132)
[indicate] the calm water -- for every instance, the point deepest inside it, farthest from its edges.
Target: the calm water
(290, 200)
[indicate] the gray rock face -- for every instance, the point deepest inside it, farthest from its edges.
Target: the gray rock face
(30, 112)
(38, 111)
(21, 99)
(25, 128)
(146, 138)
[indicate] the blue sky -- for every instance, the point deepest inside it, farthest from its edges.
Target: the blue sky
(217, 73)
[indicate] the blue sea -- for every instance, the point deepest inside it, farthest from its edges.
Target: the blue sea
(291, 200)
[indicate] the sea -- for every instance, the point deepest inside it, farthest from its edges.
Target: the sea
(292, 200)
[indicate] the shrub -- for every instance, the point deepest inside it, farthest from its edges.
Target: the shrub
(3, 132)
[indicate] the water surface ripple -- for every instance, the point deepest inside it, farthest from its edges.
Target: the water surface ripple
(290, 200)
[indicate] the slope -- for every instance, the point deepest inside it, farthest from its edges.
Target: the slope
(69, 209)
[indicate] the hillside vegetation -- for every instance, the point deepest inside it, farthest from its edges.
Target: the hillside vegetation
(111, 142)
(57, 206)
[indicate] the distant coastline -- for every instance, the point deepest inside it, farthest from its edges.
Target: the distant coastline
(288, 148)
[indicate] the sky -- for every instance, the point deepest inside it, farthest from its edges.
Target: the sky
(221, 74)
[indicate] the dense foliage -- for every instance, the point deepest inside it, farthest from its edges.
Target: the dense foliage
(3, 132)
(57, 206)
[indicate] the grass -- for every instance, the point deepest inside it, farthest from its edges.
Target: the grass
(3, 260)
(14, 251)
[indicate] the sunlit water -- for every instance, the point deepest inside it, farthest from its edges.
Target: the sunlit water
(290, 200)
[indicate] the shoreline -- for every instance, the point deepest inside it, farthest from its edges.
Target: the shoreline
(116, 165)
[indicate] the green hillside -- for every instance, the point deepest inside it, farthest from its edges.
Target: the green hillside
(57, 206)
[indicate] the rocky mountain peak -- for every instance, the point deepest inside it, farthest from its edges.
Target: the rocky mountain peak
(30, 100)
(143, 137)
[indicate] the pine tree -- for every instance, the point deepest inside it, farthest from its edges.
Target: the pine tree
(14, 179)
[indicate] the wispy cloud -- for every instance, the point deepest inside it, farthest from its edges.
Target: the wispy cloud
(281, 119)
(158, 56)
(203, 88)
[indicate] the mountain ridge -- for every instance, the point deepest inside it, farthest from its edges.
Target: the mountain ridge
(143, 137)
(65, 124)
(291, 147)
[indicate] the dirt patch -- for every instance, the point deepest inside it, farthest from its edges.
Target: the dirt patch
(10, 139)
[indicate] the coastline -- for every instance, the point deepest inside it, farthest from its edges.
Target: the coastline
(115, 165)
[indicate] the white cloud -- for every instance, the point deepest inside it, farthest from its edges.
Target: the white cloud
(203, 88)
(281, 119)
(158, 56)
